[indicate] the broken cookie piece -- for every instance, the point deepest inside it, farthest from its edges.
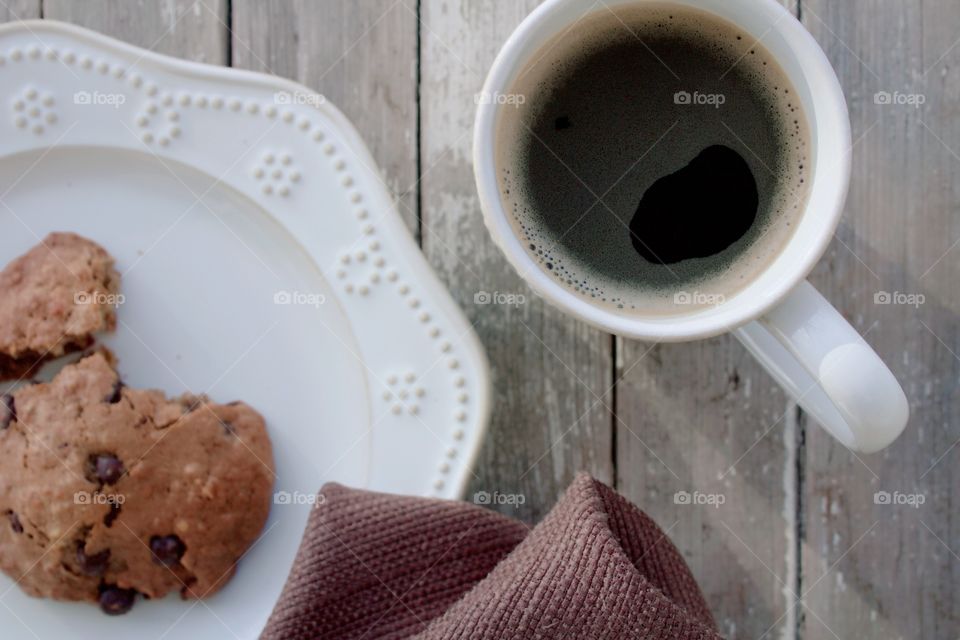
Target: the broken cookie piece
(108, 492)
(55, 297)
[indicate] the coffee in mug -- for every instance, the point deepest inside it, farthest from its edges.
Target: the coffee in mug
(657, 161)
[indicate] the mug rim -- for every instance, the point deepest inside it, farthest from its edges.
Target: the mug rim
(829, 109)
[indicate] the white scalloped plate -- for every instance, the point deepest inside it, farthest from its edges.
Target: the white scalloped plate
(262, 259)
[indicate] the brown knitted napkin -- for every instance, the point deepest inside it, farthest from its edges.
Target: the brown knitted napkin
(376, 566)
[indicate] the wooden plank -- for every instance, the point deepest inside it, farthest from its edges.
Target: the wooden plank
(891, 570)
(704, 418)
(19, 10)
(361, 55)
(552, 375)
(183, 28)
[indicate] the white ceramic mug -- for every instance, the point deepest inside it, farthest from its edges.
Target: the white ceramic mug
(804, 343)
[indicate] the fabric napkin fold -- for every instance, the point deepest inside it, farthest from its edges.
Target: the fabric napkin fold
(378, 566)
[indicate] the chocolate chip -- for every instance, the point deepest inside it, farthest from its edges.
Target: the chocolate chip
(14, 522)
(167, 550)
(112, 515)
(8, 411)
(228, 428)
(115, 601)
(116, 394)
(104, 468)
(561, 123)
(187, 590)
(94, 565)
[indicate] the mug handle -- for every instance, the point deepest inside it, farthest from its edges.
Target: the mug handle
(830, 371)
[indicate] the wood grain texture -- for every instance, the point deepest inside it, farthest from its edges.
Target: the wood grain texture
(362, 56)
(192, 29)
(888, 568)
(552, 375)
(705, 420)
(19, 10)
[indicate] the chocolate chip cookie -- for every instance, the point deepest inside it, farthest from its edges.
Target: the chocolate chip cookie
(55, 297)
(107, 492)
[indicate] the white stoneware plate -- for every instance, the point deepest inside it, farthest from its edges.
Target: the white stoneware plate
(262, 259)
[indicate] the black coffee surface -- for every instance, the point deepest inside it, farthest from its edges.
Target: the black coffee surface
(655, 150)
(697, 211)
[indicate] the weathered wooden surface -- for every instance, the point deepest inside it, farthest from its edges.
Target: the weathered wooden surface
(705, 419)
(19, 10)
(799, 548)
(892, 570)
